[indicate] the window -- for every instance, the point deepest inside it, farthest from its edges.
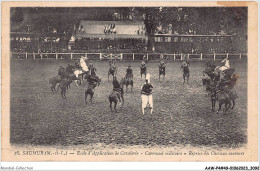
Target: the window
(158, 39)
(184, 39)
(167, 39)
(175, 39)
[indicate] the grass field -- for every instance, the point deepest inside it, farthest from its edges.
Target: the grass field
(182, 114)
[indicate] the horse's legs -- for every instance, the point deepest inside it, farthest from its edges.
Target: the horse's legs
(65, 94)
(219, 106)
(123, 100)
(62, 93)
(188, 79)
(115, 105)
(126, 87)
(233, 104)
(110, 104)
(91, 97)
(183, 79)
(86, 96)
(52, 88)
(228, 103)
(76, 82)
(212, 105)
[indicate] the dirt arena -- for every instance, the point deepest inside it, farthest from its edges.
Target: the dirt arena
(182, 114)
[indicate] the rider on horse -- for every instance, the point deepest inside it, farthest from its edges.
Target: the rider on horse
(116, 87)
(226, 71)
(185, 62)
(61, 72)
(69, 69)
(162, 64)
(77, 65)
(226, 64)
(83, 64)
(147, 97)
(185, 65)
(143, 64)
(129, 72)
(113, 64)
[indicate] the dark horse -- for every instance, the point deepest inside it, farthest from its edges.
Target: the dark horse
(143, 70)
(54, 81)
(162, 71)
(224, 95)
(112, 69)
(128, 80)
(116, 94)
(93, 80)
(186, 73)
(64, 86)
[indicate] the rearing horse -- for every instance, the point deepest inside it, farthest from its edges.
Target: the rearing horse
(93, 81)
(143, 69)
(162, 70)
(128, 80)
(186, 72)
(112, 69)
(116, 94)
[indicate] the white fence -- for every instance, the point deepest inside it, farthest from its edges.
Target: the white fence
(129, 56)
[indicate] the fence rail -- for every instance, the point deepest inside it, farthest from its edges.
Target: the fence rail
(129, 56)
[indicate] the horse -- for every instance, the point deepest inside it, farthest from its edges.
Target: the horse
(116, 95)
(79, 74)
(223, 95)
(93, 81)
(64, 86)
(147, 97)
(143, 71)
(128, 80)
(162, 71)
(186, 73)
(54, 81)
(112, 70)
(71, 77)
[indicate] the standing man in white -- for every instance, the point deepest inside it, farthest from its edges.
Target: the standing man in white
(146, 94)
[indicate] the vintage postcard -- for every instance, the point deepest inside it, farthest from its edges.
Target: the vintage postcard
(129, 81)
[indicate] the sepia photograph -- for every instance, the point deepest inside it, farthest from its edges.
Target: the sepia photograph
(129, 83)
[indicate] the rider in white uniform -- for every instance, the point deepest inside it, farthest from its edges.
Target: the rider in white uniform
(222, 68)
(83, 64)
(226, 66)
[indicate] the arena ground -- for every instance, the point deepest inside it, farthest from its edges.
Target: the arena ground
(182, 114)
